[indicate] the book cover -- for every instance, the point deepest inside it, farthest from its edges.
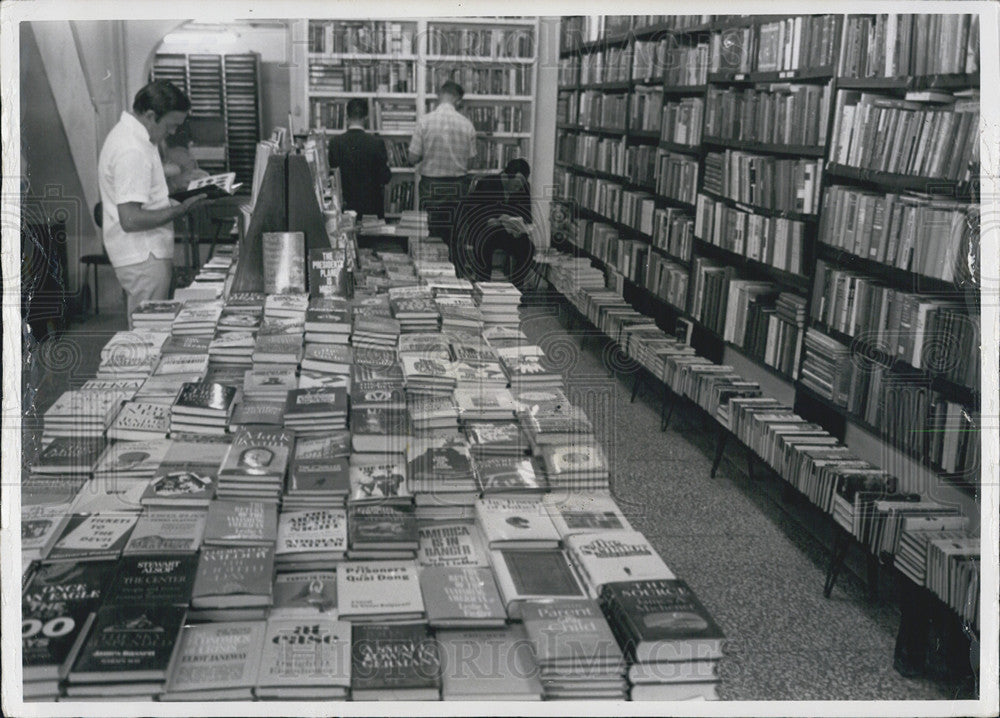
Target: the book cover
(389, 526)
(313, 651)
(167, 531)
(180, 487)
(140, 419)
(167, 579)
(306, 403)
(661, 620)
(132, 457)
(461, 596)
(241, 523)
(305, 594)
(382, 425)
(488, 665)
(322, 476)
(532, 574)
(230, 574)
(438, 460)
(516, 522)
(60, 596)
(215, 656)
(93, 537)
(574, 459)
(69, 455)
(372, 590)
(258, 452)
(589, 512)
(205, 398)
(284, 262)
(378, 480)
(41, 525)
(131, 642)
(315, 531)
(498, 474)
(451, 544)
(571, 633)
(611, 556)
(110, 494)
(259, 412)
(387, 659)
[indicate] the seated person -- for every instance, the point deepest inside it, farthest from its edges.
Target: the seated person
(496, 214)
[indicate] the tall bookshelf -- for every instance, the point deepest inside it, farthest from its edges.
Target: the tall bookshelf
(223, 87)
(819, 175)
(398, 65)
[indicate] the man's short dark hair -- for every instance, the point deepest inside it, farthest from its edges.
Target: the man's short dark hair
(518, 166)
(452, 88)
(161, 97)
(357, 108)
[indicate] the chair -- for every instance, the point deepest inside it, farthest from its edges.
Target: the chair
(98, 260)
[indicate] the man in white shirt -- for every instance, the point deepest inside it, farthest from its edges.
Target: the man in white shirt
(443, 144)
(138, 213)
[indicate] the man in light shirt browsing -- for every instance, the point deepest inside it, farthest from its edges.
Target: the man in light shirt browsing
(443, 146)
(138, 213)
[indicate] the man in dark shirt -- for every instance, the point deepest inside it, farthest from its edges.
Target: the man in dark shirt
(496, 214)
(363, 163)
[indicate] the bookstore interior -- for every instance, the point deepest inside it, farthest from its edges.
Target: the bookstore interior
(716, 437)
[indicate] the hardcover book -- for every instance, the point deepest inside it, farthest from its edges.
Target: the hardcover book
(379, 591)
(574, 513)
(233, 576)
(400, 662)
(217, 661)
(378, 480)
(572, 633)
(516, 523)
(611, 556)
(129, 643)
(382, 527)
(241, 523)
(109, 494)
(305, 658)
(63, 595)
(326, 477)
(451, 544)
(132, 458)
(258, 452)
(316, 532)
(177, 487)
(93, 538)
(459, 596)
(305, 594)
(207, 399)
(661, 620)
(140, 420)
(438, 460)
(153, 580)
(507, 474)
(488, 665)
(377, 428)
(531, 575)
(167, 531)
(491, 438)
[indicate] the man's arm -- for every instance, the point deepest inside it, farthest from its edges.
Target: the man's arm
(134, 218)
(415, 152)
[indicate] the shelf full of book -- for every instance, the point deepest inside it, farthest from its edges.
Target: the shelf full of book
(397, 65)
(818, 149)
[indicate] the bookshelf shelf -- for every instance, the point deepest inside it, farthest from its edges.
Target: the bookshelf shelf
(796, 282)
(671, 257)
(651, 31)
(416, 55)
(633, 233)
(763, 211)
(693, 150)
(897, 182)
(622, 86)
(651, 135)
(910, 82)
(766, 147)
(902, 278)
(678, 203)
(598, 174)
(810, 74)
(951, 390)
(684, 90)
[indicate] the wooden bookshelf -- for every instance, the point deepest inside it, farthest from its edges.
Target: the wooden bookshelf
(425, 51)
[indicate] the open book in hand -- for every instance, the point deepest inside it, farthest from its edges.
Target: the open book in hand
(213, 187)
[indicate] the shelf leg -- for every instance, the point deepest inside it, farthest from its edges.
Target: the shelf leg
(720, 447)
(665, 420)
(750, 466)
(872, 576)
(837, 556)
(635, 390)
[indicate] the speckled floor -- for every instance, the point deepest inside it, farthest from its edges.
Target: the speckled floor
(757, 570)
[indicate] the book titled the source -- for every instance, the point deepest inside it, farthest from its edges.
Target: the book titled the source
(305, 659)
(661, 620)
(379, 591)
(395, 662)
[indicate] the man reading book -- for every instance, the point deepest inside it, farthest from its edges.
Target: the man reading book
(363, 163)
(496, 214)
(138, 213)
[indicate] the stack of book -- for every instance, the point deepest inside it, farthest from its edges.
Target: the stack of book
(382, 529)
(81, 414)
(310, 539)
(430, 413)
(375, 332)
(459, 314)
(605, 556)
(316, 411)
(441, 477)
(327, 321)
(278, 344)
(318, 476)
(379, 592)
(269, 384)
(138, 421)
(233, 583)
(155, 315)
(427, 375)
(576, 652)
(672, 642)
(232, 347)
(321, 673)
(524, 369)
(413, 224)
(202, 408)
(484, 403)
(233, 648)
(255, 465)
(416, 313)
(498, 302)
(197, 319)
(468, 654)
(327, 359)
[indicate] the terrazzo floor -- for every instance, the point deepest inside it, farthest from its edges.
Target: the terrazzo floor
(758, 571)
